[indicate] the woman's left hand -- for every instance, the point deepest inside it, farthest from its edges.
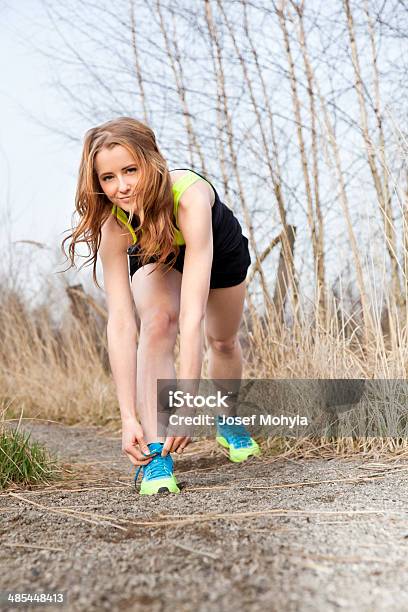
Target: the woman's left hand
(173, 444)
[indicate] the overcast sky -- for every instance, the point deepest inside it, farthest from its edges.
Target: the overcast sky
(38, 168)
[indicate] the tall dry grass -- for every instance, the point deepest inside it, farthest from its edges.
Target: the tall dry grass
(53, 371)
(58, 369)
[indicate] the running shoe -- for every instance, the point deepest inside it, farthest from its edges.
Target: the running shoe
(158, 475)
(237, 439)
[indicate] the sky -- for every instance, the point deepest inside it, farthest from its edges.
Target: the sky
(37, 167)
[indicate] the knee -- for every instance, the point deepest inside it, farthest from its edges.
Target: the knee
(160, 326)
(226, 345)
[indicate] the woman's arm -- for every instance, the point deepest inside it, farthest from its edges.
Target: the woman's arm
(122, 335)
(121, 328)
(195, 222)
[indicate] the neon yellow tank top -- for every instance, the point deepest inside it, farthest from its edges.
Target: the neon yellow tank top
(179, 187)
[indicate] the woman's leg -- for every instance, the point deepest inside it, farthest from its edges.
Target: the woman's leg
(222, 321)
(223, 318)
(157, 300)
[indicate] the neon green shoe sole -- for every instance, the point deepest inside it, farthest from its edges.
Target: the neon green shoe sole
(159, 485)
(158, 476)
(239, 454)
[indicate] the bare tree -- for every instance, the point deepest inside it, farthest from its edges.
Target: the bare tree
(259, 97)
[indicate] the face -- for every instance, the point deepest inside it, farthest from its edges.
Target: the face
(118, 175)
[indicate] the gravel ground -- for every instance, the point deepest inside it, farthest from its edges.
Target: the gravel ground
(267, 535)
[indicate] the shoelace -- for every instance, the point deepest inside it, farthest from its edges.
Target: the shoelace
(157, 468)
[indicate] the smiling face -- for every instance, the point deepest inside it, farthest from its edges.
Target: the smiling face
(118, 175)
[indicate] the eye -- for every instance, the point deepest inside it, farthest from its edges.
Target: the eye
(131, 170)
(106, 178)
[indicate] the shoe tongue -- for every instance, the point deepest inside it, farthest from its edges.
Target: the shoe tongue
(155, 447)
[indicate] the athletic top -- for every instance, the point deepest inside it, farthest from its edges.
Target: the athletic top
(227, 231)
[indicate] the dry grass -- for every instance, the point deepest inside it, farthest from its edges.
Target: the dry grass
(55, 367)
(53, 371)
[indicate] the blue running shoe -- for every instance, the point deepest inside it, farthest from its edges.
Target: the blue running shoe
(236, 438)
(158, 475)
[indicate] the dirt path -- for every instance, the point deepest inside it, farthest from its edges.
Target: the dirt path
(239, 537)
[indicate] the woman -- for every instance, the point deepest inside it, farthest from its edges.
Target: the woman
(188, 262)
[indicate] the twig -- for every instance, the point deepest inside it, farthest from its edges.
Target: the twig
(13, 545)
(123, 486)
(278, 512)
(193, 550)
(336, 559)
(288, 485)
(70, 513)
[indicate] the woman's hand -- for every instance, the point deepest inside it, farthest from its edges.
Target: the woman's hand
(133, 443)
(173, 444)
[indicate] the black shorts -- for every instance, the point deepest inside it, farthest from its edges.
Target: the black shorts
(227, 270)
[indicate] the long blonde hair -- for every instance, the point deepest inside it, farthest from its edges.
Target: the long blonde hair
(153, 196)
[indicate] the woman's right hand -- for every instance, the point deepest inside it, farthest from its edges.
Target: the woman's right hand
(133, 443)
